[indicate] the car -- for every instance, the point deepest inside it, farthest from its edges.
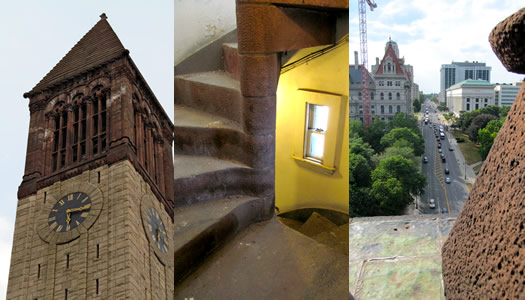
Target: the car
(439, 149)
(447, 180)
(425, 159)
(447, 171)
(443, 159)
(439, 145)
(432, 203)
(444, 210)
(450, 148)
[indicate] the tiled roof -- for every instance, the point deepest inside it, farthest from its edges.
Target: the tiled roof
(96, 47)
(390, 52)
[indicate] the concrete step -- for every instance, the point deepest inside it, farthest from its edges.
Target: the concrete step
(214, 92)
(269, 260)
(232, 62)
(201, 228)
(223, 143)
(189, 117)
(202, 178)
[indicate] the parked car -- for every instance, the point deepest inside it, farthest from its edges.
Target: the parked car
(425, 159)
(447, 180)
(439, 149)
(450, 148)
(444, 210)
(439, 145)
(432, 203)
(447, 171)
(443, 159)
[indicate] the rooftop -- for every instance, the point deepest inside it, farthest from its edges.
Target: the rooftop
(472, 82)
(397, 257)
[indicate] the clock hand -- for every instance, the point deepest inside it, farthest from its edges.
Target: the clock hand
(78, 209)
(68, 217)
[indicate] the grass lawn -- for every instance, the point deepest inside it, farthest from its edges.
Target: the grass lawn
(468, 148)
(416, 115)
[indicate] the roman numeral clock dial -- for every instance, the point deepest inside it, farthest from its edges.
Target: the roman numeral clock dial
(69, 212)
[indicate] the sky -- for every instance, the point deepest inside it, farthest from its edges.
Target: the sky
(430, 33)
(34, 36)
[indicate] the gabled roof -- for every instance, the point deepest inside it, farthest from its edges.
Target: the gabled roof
(390, 52)
(96, 47)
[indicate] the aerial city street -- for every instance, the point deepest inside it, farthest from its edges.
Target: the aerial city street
(442, 164)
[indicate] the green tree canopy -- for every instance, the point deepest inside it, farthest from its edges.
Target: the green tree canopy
(389, 195)
(401, 120)
(404, 170)
(359, 170)
(400, 147)
(478, 123)
(487, 135)
(415, 140)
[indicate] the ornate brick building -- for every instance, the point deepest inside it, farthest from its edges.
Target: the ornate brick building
(95, 208)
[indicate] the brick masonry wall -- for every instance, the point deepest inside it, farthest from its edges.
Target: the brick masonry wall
(126, 266)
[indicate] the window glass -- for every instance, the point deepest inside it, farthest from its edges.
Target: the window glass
(317, 124)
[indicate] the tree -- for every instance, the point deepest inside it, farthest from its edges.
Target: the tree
(400, 147)
(359, 171)
(358, 146)
(356, 128)
(401, 120)
(389, 195)
(404, 170)
(478, 123)
(417, 105)
(374, 134)
(361, 204)
(487, 135)
(415, 140)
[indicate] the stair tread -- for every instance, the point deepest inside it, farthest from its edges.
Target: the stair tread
(286, 264)
(192, 220)
(216, 78)
(192, 165)
(190, 117)
(232, 45)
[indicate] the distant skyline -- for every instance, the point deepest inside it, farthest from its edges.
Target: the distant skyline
(35, 36)
(430, 33)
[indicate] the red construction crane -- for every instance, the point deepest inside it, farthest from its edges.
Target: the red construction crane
(367, 118)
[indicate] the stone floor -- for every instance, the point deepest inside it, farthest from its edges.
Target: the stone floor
(397, 257)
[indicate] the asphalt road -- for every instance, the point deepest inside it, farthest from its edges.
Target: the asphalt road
(450, 196)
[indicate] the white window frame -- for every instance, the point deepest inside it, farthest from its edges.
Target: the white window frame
(337, 110)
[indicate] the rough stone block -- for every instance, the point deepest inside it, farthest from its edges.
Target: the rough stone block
(260, 74)
(259, 115)
(507, 39)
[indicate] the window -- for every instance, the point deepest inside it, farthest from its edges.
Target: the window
(381, 83)
(319, 129)
(382, 96)
(389, 83)
(477, 100)
(468, 100)
(398, 83)
(468, 106)
(398, 109)
(317, 120)
(390, 108)
(382, 109)
(486, 100)
(398, 96)
(389, 96)
(371, 96)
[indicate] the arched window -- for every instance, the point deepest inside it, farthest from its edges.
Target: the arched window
(398, 96)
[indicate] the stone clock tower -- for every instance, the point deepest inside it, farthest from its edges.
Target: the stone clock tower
(95, 207)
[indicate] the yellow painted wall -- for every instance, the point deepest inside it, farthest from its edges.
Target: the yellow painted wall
(296, 185)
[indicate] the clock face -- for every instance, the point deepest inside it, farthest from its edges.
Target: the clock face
(157, 230)
(69, 212)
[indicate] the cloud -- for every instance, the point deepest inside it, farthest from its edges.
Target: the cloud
(430, 33)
